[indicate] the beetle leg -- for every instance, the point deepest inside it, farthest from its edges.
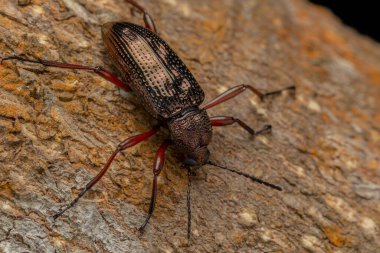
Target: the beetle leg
(148, 20)
(234, 91)
(131, 141)
(157, 167)
(226, 121)
(97, 69)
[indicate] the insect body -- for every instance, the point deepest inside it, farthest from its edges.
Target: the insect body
(169, 92)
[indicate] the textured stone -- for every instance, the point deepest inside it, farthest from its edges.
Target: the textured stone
(58, 127)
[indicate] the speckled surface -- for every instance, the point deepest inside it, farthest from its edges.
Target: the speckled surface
(57, 128)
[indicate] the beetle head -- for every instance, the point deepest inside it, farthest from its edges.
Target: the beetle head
(199, 157)
(191, 133)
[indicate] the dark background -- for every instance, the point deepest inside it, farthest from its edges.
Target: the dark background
(361, 15)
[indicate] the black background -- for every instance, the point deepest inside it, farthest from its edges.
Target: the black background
(363, 16)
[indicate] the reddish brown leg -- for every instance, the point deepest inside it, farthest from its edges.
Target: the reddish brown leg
(157, 167)
(149, 23)
(226, 121)
(234, 91)
(131, 141)
(97, 70)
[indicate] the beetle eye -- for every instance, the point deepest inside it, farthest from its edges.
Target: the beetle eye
(190, 162)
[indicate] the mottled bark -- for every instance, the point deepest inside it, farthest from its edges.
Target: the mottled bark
(57, 128)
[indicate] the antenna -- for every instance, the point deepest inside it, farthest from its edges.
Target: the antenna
(188, 203)
(253, 178)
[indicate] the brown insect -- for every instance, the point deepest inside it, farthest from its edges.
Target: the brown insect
(169, 92)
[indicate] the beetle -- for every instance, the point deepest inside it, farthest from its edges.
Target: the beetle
(171, 95)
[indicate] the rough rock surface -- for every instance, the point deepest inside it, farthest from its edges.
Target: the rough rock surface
(57, 128)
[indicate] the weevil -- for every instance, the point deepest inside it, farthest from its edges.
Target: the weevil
(171, 95)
